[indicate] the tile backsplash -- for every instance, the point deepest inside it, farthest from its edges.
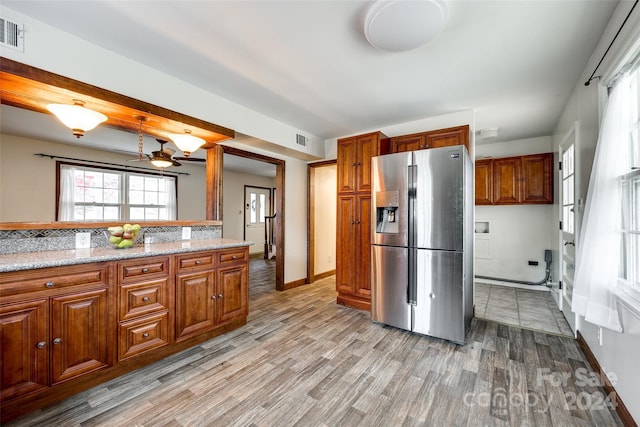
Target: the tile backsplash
(40, 240)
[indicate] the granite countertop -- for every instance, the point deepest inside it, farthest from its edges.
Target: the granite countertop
(33, 260)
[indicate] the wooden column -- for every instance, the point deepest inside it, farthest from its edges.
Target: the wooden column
(214, 183)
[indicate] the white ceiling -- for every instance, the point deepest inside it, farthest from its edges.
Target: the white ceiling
(308, 64)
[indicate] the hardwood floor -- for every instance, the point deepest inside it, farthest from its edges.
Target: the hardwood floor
(303, 360)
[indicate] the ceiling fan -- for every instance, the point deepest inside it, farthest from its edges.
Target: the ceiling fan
(162, 158)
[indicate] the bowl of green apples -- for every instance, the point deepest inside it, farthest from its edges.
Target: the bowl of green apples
(123, 236)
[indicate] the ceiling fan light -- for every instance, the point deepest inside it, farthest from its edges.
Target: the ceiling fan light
(77, 117)
(186, 142)
(161, 163)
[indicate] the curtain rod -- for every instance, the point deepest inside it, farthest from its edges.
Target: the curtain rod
(52, 156)
(610, 44)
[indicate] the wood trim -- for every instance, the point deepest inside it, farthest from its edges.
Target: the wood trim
(11, 226)
(280, 202)
(621, 409)
(324, 275)
(294, 284)
(311, 167)
(214, 177)
(32, 88)
(353, 302)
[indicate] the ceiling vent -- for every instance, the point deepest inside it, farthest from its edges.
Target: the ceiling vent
(301, 140)
(11, 34)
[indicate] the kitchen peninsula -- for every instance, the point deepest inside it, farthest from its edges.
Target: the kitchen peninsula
(74, 318)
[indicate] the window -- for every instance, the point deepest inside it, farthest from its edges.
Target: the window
(629, 267)
(95, 194)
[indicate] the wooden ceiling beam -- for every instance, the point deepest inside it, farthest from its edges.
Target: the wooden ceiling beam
(32, 88)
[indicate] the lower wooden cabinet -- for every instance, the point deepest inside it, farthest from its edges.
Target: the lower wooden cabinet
(65, 329)
(25, 348)
(80, 333)
(208, 298)
(353, 257)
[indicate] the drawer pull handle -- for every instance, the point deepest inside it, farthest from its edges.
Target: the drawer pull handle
(57, 341)
(145, 299)
(145, 335)
(234, 257)
(198, 262)
(145, 270)
(41, 344)
(49, 285)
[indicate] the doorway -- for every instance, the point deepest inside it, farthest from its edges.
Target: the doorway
(278, 206)
(569, 222)
(257, 211)
(321, 225)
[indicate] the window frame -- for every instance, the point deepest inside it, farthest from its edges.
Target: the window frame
(628, 285)
(125, 174)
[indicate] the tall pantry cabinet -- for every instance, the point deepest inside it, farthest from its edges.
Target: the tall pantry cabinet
(353, 220)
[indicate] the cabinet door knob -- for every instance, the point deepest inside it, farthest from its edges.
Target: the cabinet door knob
(145, 270)
(57, 341)
(41, 344)
(198, 262)
(234, 257)
(145, 335)
(220, 296)
(49, 285)
(145, 299)
(213, 297)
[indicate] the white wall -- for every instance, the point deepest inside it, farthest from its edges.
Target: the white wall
(619, 352)
(28, 182)
(517, 233)
(233, 203)
(325, 204)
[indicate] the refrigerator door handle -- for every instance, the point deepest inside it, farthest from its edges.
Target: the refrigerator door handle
(412, 289)
(412, 285)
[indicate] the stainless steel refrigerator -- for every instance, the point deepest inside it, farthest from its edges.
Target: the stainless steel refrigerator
(422, 243)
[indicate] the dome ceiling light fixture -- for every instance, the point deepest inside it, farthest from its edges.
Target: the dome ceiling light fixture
(77, 117)
(400, 25)
(186, 142)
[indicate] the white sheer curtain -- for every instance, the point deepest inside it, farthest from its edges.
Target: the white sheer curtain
(66, 203)
(598, 254)
(170, 191)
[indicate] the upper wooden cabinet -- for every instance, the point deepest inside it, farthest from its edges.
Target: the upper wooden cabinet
(484, 182)
(515, 180)
(458, 135)
(354, 161)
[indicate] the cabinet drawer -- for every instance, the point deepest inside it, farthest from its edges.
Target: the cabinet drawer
(139, 299)
(201, 260)
(231, 256)
(53, 279)
(142, 269)
(139, 336)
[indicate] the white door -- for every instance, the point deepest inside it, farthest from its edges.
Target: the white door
(569, 223)
(257, 201)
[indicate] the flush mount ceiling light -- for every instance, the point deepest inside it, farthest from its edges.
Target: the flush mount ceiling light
(77, 117)
(186, 142)
(399, 25)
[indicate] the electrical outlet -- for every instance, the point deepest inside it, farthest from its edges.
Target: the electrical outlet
(186, 233)
(83, 240)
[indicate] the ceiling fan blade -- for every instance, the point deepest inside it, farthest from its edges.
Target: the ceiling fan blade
(190, 159)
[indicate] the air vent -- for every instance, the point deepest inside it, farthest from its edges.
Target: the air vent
(11, 34)
(301, 140)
